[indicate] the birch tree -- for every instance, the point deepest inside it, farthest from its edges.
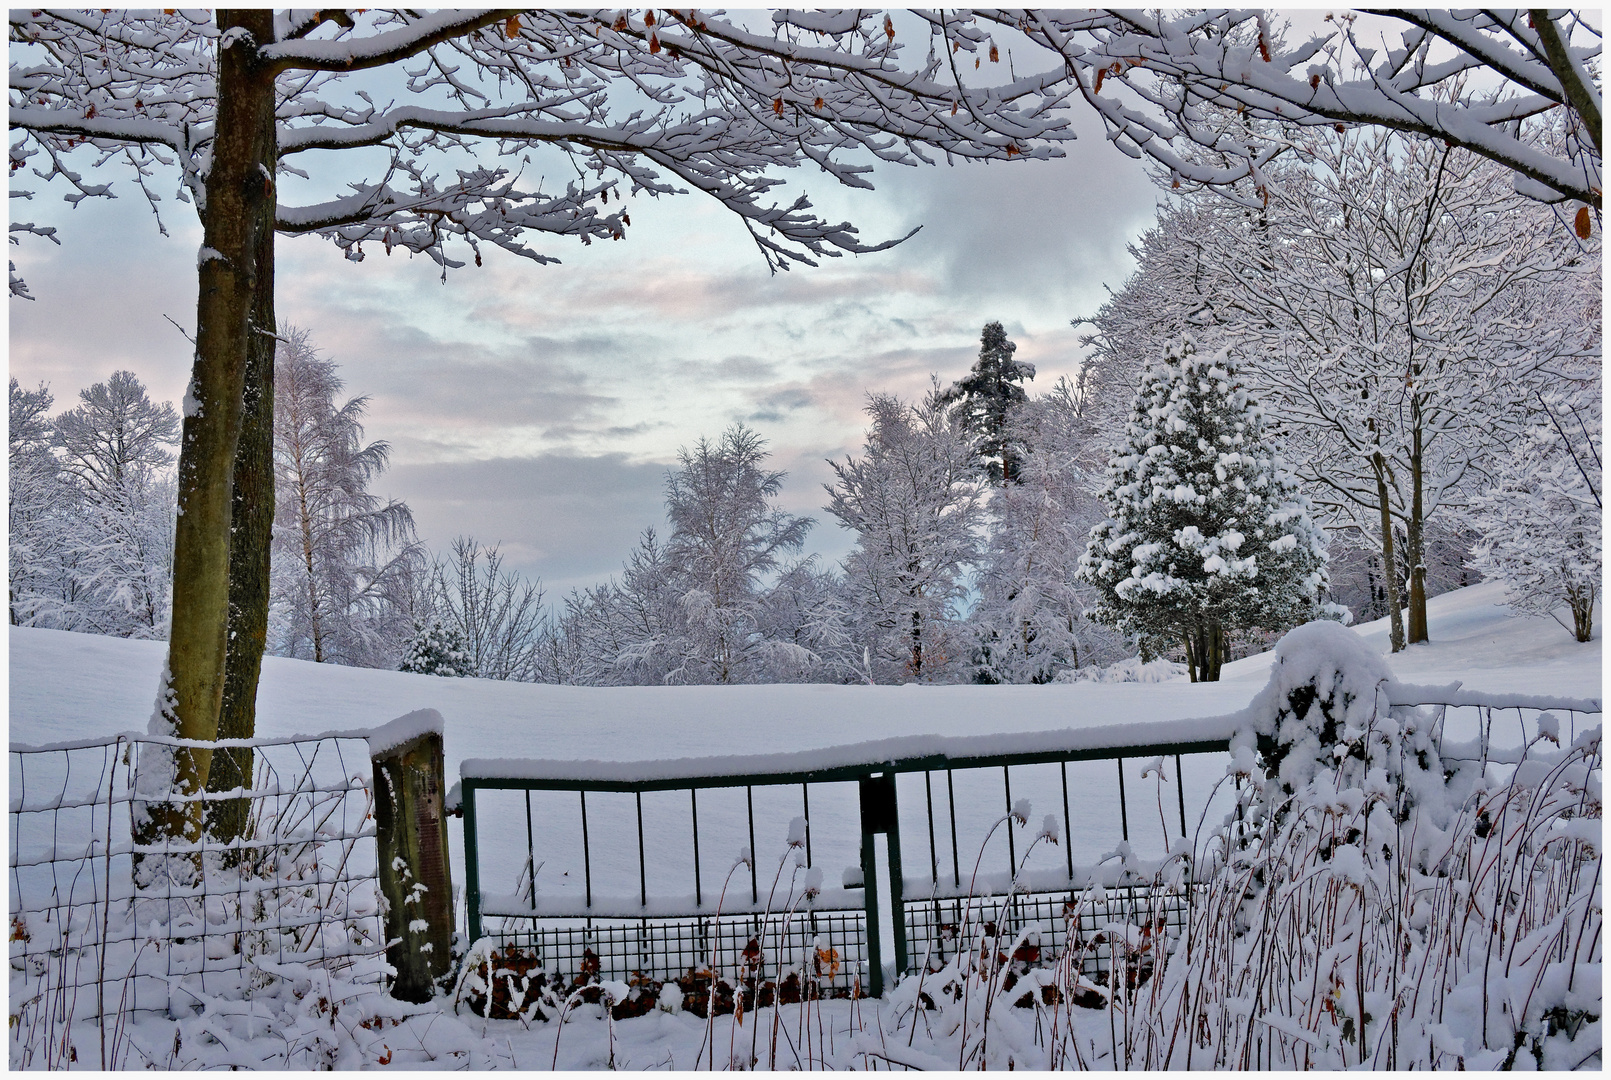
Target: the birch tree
(342, 554)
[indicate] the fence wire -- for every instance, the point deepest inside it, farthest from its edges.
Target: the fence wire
(104, 924)
(828, 947)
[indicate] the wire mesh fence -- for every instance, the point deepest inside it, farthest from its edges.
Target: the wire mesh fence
(1102, 927)
(109, 919)
(828, 946)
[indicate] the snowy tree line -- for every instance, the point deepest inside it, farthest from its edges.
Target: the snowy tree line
(1427, 342)
(91, 509)
(1416, 340)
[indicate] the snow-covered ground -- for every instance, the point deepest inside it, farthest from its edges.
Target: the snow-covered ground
(69, 686)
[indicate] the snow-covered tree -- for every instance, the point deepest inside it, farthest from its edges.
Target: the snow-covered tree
(647, 106)
(624, 633)
(805, 608)
(1391, 308)
(497, 613)
(437, 649)
(92, 501)
(1392, 303)
(40, 531)
(986, 396)
(914, 500)
(342, 555)
(727, 533)
(1481, 80)
(116, 433)
(1030, 615)
(1541, 522)
(1176, 288)
(114, 451)
(1209, 533)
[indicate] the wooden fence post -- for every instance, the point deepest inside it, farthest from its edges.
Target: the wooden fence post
(411, 837)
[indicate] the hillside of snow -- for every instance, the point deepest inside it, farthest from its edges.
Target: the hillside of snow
(69, 686)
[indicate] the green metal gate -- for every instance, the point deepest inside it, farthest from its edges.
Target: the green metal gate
(651, 937)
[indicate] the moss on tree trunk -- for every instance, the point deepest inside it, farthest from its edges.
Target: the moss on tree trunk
(232, 221)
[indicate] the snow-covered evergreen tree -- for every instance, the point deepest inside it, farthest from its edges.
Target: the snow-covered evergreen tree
(1030, 615)
(914, 500)
(437, 649)
(1209, 533)
(1541, 523)
(986, 396)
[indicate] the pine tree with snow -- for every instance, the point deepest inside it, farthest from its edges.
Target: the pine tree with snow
(1209, 533)
(436, 649)
(985, 398)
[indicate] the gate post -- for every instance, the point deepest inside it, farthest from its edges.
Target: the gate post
(411, 840)
(879, 814)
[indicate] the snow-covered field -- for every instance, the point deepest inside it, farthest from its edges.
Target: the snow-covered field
(111, 683)
(68, 686)
(71, 686)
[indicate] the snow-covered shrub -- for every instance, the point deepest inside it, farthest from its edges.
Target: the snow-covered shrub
(1371, 903)
(1209, 533)
(1133, 669)
(436, 649)
(1368, 902)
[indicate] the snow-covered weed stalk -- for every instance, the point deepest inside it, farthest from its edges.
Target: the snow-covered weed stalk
(964, 998)
(744, 859)
(1386, 907)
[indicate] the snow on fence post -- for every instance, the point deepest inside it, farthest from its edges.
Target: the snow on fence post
(411, 835)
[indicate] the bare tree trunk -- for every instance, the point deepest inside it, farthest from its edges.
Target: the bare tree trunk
(251, 537)
(917, 647)
(1415, 547)
(1395, 617)
(1582, 614)
(233, 217)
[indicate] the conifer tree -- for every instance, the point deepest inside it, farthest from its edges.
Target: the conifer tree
(436, 649)
(1209, 533)
(986, 396)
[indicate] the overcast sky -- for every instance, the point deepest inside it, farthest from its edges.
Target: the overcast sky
(538, 407)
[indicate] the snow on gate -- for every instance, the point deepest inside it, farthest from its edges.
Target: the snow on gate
(776, 866)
